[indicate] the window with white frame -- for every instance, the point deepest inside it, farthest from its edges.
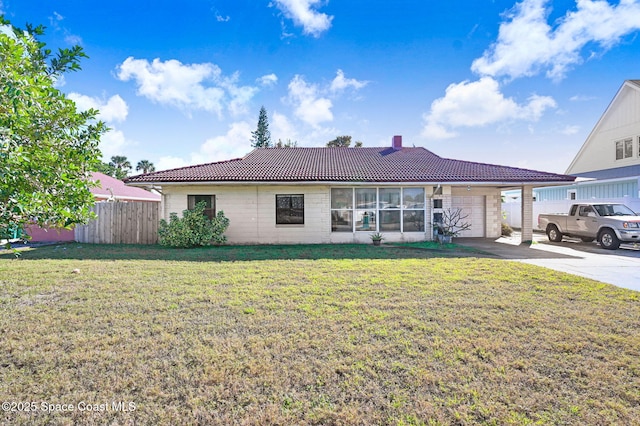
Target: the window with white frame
(374, 209)
(413, 209)
(365, 212)
(341, 209)
(624, 149)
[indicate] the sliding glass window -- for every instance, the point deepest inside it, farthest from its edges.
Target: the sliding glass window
(378, 209)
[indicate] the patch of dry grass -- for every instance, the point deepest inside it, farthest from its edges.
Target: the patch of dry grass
(322, 341)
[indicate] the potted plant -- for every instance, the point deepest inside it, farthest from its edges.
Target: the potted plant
(436, 230)
(376, 238)
(445, 238)
(453, 223)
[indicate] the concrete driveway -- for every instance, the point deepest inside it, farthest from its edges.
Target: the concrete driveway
(618, 267)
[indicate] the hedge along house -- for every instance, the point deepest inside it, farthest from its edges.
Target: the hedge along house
(342, 195)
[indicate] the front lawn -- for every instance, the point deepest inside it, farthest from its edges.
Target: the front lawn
(310, 335)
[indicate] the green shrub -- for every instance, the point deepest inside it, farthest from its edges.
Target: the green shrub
(193, 229)
(506, 230)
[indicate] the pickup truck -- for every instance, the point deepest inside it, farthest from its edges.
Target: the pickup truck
(610, 224)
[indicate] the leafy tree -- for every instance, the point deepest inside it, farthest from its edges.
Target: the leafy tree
(261, 138)
(47, 147)
(105, 168)
(340, 142)
(145, 166)
(288, 144)
(120, 166)
(343, 142)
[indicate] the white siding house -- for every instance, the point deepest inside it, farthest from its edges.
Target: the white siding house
(607, 166)
(612, 149)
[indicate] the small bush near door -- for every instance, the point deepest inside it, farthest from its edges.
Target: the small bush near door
(193, 229)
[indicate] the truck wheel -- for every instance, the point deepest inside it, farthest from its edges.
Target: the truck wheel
(554, 234)
(608, 240)
(587, 239)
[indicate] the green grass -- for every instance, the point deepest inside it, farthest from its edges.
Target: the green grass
(312, 335)
(426, 249)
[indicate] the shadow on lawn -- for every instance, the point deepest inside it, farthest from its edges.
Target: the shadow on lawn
(243, 253)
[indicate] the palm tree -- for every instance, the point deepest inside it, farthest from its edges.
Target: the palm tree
(146, 166)
(120, 165)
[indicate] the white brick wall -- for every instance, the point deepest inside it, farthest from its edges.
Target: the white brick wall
(527, 213)
(251, 211)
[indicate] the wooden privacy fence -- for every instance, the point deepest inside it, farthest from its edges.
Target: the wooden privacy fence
(121, 223)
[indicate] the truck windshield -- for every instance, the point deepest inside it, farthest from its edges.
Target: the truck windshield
(613, 210)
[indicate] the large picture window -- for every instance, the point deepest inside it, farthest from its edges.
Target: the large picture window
(341, 209)
(389, 205)
(413, 204)
(210, 201)
(366, 209)
(290, 209)
(377, 209)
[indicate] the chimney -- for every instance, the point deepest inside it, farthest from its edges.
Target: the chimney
(396, 142)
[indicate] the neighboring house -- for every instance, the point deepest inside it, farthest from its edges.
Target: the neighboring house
(340, 195)
(112, 189)
(109, 189)
(607, 166)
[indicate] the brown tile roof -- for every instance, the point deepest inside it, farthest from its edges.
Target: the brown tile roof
(346, 165)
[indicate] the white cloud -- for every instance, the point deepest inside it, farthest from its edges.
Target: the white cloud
(340, 83)
(221, 18)
(115, 109)
(320, 136)
(73, 39)
(170, 162)
(581, 98)
(268, 80)
(112, 110)
(53, 20)
(528, 45)
(240, 95)
(112, 143)
(434, 130)
(188, 87)
(478, 103)
(303, 13)
(313, 103)
(234, 144)
(281, 128)
(54, 23)
(311, 107)
(570, 130)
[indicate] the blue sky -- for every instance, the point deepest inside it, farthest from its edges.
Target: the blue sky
(503, 82)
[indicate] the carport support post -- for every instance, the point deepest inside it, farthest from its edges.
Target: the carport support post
(527, 214)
